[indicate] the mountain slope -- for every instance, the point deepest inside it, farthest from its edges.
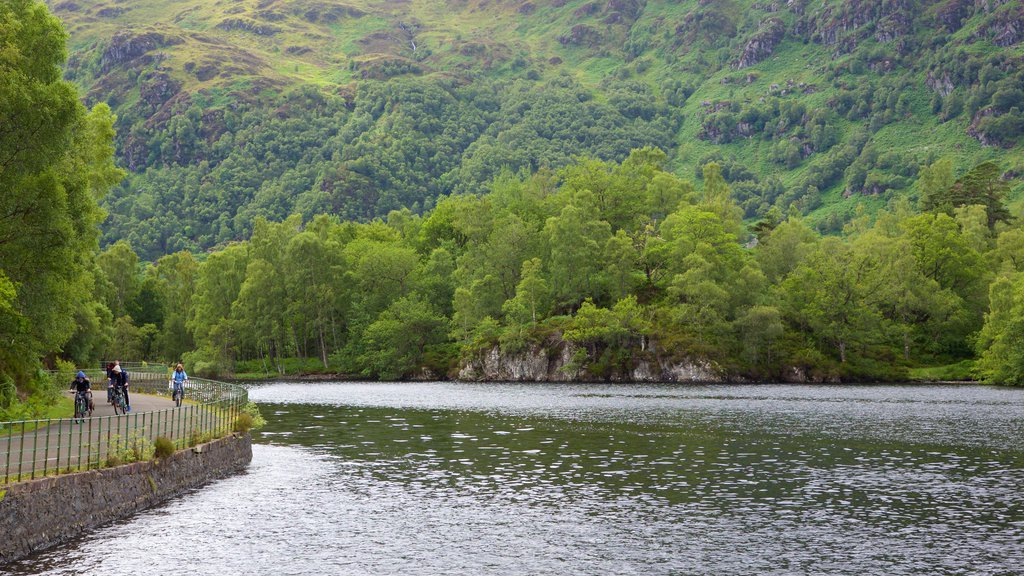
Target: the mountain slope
(233, 110)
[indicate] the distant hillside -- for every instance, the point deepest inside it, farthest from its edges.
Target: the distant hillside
(229, 110)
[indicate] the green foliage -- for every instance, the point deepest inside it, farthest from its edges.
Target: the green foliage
(243, 423)
(1001, 340)
(56, 159)
(163, 447)
(134, 448)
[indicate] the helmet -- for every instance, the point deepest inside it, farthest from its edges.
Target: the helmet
(81, 374)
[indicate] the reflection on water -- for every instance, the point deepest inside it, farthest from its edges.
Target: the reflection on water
(557, 479)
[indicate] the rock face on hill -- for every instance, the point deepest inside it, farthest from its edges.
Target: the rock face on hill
(128, 45)
(763, 43)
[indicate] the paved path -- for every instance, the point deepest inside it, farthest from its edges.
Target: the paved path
(68, 443)
(140, 402)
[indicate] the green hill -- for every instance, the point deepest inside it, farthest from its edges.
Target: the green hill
(231, 110)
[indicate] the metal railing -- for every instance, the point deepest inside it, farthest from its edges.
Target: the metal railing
(32, 449)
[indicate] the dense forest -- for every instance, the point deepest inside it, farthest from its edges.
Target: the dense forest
(570, 236)
(618, 262)
(232, 111)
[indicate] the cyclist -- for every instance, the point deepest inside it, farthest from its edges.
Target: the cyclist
(110, 382)
(122, 383)
(83, 387)
(180, 378)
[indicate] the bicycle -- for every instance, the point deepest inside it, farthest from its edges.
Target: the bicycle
(82, 409)
(178, 395)
(118, 400)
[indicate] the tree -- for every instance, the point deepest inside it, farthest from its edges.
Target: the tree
(1001, 340)
(533, 295)
(398, 339)
(56, 160)
(575, 241)
(120, 267)
(218, 283)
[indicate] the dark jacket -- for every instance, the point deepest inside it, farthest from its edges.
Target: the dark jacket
(83, 385)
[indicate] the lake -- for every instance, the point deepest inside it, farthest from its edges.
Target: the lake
(452, 478)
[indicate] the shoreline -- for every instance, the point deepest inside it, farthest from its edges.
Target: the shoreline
(319, 377)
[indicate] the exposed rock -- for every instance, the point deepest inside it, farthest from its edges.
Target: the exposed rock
(247, 25)
(762, 44)
(554, 362)
(588, 9)
(127, 45)
(320, 12)
(581, 35)
(207, 71)
(297, 50)
(67, 7)
(554, 61)
(952, 14)
(629, 9)
(536, 364)
(157, 89)
(1006, 29)
(271, 16)
(527, 8)
(941, 85)
(893, 27)
(111, 11)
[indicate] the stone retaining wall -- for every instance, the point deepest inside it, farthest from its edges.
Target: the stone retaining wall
(41, 513)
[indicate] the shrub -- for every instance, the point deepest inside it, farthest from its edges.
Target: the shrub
(163, 447)
(243, 422)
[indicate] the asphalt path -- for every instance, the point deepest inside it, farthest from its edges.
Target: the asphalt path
(71, 443)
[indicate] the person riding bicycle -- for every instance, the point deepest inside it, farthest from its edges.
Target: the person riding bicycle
(83, 387)
(121, 383)
(111, 378)
(179, 378)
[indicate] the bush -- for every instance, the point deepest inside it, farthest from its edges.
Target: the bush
(243, 422)
(163, 447)
(133, 449)
(249, 419)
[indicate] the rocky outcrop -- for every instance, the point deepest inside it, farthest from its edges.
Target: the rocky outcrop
(536, 364)
(559, 361)
(762, 44)
(112, 11)
(128, 45)
(941, 85)
(1006, 29)
(247, 25)
(581, 35)
(951, 14)
(326, 13)
(157, 88)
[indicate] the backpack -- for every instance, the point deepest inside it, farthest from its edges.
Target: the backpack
(124, 377)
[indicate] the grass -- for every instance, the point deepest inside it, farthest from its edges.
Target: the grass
(960, 371)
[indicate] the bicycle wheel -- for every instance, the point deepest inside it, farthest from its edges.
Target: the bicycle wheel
(177, 398)
(119, 407)
(80, 408)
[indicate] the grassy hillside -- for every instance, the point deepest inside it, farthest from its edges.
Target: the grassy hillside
(229, 110)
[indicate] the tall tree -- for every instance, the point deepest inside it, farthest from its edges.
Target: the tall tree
(56, 160)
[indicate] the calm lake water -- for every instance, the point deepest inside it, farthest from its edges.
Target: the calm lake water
(444, 478)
